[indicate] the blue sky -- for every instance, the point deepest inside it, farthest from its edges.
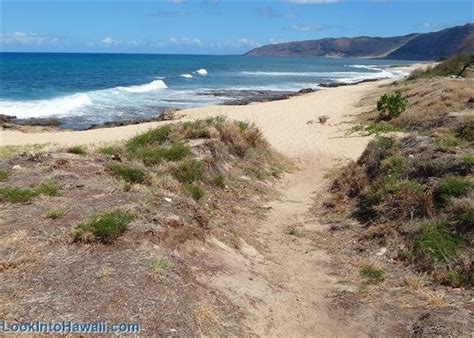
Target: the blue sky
(210, 26)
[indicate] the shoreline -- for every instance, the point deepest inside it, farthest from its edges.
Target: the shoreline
(311, 103)
(236, 98)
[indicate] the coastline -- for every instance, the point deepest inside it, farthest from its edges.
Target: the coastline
(311, 104)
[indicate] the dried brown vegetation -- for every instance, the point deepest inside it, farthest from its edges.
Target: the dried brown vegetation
(124, 250)
(412, 195)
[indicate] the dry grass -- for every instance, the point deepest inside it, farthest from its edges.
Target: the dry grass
(434, 298)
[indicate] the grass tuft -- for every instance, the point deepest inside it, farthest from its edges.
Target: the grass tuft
(219, 181)
(453, 186)
(435, 244)
(54, 214)
(107, 150)
(4, 175)
(78, 150)
(372, 273)
(105, 227)
(189, 171)
(194, 190)
(129, 174)
(23, 195)
(155, 136)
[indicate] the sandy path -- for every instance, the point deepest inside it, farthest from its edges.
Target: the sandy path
(283, 288)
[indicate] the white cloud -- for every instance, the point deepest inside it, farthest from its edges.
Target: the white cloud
(185, 41)
(28, 39)
(303, 28)
(239, 43)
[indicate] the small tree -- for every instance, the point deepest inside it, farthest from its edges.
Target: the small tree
(391, 105)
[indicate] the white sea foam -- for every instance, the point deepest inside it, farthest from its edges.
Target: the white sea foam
(202, 72)
(147, 87)
(187, 76)
(43, 108)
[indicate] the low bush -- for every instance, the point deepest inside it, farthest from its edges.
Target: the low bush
(189, 171)
(78, 150)
(193, 190)
(433, 243)
(391, 105)
(453, 186)
(151, 155)
(54, 214)
(108, 150)
(105, 227)
(23, 195)
(219, 180)
(451, 66)
(155, 136)
(129, 174)
(447, 143)
(4, 175)
(372, 273)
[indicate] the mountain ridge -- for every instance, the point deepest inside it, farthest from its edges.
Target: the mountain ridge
(414, 46)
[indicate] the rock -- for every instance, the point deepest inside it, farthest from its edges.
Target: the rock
(306, 91)
(323, 119)
(6, 118)
(381, 252)
(310, 122)
(17, 167)
(167, 199)
(169, 114)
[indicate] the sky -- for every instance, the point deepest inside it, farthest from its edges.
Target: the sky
(210, 26)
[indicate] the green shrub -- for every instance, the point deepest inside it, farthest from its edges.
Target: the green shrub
(453, 186)
(390, 186)
(151, 155)
(104, 227)
(129, 174)
(108, 150)
(373, 273)
(219, 180)
(381, 128)
(196, 129)
(151, 137)
(242, 125)
(433, 243)
(189, 171)
(4, 175)
(468, 160)
(395, 165)
(78, 150)
(391, 105)
(50, 188)
(458, 278)
(195, 191)
(446, 143)
(22, 195)
(54, 214)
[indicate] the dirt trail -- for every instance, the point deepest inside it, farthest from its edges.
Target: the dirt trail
(284, 286)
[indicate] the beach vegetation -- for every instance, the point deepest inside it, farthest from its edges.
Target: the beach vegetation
(78, 150)
(390, 106)
(128, 173)
(193, 190)
(219, 181)
(105, 227)
(108, 150)
(447, 143)
(453, 186)
(23, 195)
(451, 66)
(4, 175)
(155, 136)
(189, 171)
(55, 213)
(434, 243)
(373, 273)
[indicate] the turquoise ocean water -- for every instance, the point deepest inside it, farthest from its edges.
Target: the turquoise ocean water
(83, 89)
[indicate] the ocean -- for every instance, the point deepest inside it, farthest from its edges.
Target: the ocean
(86, 89)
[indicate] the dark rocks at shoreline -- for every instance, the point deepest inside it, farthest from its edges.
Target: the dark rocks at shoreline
(341, 84)
(245, 97)
(166, 115)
